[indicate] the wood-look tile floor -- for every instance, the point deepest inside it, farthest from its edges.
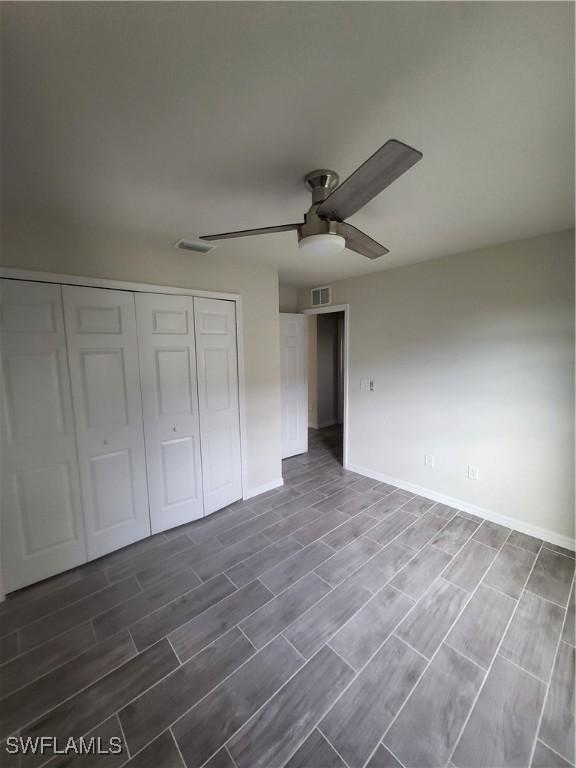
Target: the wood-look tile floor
(335, 622)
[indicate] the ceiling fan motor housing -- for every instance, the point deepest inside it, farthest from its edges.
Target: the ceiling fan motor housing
(321, 182)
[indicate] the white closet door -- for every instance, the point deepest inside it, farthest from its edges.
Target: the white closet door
(294, 384)
(103, 354)
(217, 358)
(42, 527)
(170, 403)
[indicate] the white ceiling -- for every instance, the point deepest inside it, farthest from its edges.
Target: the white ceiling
(168, 120)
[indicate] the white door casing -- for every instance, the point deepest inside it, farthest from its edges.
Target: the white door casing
(217, 361)
(293, 384)
(170, 404)
(42, 529)
(104, 370)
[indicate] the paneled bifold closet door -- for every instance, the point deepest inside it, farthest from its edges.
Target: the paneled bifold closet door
(42, 528)
(217, 361)
(103, 357)
(170, 402)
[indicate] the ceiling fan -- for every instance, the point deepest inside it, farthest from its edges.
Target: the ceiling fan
(324, 230)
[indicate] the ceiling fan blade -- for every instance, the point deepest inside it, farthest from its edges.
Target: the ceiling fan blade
(392, 160)
(361, 243)
(249, 232)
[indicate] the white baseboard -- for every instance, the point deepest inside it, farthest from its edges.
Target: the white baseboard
(494, 517)
(258, 489)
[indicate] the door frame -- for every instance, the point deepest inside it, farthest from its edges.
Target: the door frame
(13, 273)
(330, 309)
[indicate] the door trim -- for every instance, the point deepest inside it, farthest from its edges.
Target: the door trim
(328, 310)
(13, 273)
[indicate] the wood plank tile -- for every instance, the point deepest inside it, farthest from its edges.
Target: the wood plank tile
(502, 726)
(249, 528)
(160, 706)
(353, 529)
(381, 568)
(225, 559)
(347, 560)
(369, 628)
(233, 702)
(160, 593)
(30, 702)
(270, 737)
(491, 534)
(162, 551)
(262, 561)
(510, 570)
(41, 660)
(152, 628)
(79, 714)
(315, 751)
(479, 629)
(443, 510)
(557, 727)
(8, 647)
(215, 621)
(318, 624)
(389, 504)
(161, 569)
(418, 505)
(532, 636)
(544, 757)
(470, 564)
(524, 541)
(16, 613)
(421, 532)
(298, 504)
(162, 753)
(552, 576)
(439, 706)
(359, 718)
(220, 760)
(337, 500)
(454, 535)
(392, 526)
(289, 571)
(291, 524)
(273, 617)
(265, 502)
(383, 758)
(319, 527)
(421, 571)
(109, 729)
(218, 522)
(559, 550)
(60, 621)
(426, 625)
(569, 621)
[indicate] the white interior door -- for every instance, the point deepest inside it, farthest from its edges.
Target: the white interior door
(170, 403)
(217, 360)
(103, 355)
(42, 527)
(294, 384)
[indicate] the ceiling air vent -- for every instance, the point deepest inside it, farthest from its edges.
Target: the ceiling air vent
(196, 246)
(320, 296)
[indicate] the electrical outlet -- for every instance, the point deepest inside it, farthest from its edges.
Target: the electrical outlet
(371, 385)
(473, 472)
(428, 460)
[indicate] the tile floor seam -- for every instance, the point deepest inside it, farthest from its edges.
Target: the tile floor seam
(290, 644)
(547, 599)
(402, 640)
(495, 655)
(122, 732)
(319, 729)
(553, 750)
(548, 686)
(171, 732)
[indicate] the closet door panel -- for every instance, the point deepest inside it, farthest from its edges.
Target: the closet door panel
(42, 526)
(218, 400)
(170, 400)
(103, 353)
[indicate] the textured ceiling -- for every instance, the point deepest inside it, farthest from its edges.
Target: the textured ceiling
(168, 120)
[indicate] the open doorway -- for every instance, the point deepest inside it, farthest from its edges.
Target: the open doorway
(327, 380)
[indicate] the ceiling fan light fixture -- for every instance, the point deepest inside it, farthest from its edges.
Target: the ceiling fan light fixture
(327, 244)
